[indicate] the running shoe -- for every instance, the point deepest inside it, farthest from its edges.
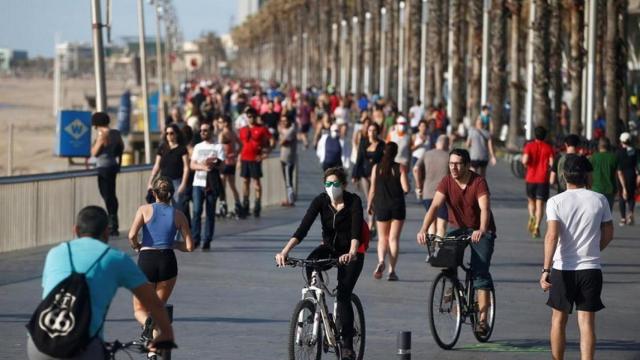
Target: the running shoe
(532, 224)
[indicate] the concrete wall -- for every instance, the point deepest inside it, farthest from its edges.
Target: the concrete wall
(37, 211)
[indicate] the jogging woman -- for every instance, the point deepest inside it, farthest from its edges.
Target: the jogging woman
(389, 184)
(341, 217)
(159, 223)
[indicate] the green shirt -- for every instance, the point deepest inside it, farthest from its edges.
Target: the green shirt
(604, 172)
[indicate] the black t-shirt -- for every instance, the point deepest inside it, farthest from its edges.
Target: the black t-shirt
(270, 119)
(627, 162)
(171, 164)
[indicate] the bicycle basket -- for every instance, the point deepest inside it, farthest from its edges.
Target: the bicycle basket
(447, 254)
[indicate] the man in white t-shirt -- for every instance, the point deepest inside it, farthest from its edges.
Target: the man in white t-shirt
(579, 228)
(206, 159)
(416, 112)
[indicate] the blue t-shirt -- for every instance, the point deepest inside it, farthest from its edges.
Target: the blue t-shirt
(115, 269)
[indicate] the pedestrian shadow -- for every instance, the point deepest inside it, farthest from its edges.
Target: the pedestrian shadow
(213, 319)
(542, 345)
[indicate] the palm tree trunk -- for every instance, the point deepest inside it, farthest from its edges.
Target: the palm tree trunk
(498, 63)
(515, 85)
(437, 47)
(600, 51)
(475, 29)
(413, 49)
(455, 20)
(541, 64)
(575, 68)
(555, 63)
(611, 71)
(622, 65)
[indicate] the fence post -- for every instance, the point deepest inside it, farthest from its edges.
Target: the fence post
(10, 151)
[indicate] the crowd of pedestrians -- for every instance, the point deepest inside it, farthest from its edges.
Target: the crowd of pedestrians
(222, 127)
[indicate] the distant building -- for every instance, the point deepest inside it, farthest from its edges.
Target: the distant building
(9, 57)
(75, 57)
(247, 8)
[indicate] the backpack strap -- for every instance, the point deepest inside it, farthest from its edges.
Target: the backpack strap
(73, 268)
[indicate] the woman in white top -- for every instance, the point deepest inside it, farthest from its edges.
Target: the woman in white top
(420, 142)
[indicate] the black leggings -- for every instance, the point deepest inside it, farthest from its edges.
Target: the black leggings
(347, 278)
(107, 187)
(630, 204)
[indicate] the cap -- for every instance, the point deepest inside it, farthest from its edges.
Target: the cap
(625, 137)
(401, 120)
(577, 164)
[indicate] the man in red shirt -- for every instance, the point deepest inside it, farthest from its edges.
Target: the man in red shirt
(537, 156)
(256, 141)
(467, 197)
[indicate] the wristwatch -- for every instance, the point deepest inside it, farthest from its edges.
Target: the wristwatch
(546, 270)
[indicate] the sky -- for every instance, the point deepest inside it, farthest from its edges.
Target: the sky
(33, 25)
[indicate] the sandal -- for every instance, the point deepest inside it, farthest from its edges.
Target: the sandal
(377, 274)
(622, 222)
(482, 328)
(392, 276)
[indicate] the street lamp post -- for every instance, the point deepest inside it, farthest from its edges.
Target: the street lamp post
(334, 40)
(159, 69)
(383, 30)
(98, 56)
(343, 58)
(305, 61)
(401, 57)
(484, 79)
(591, 48)
(143, 73)
(354, 55)
(529, 99)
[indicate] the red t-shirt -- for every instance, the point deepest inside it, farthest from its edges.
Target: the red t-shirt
(539, 153)
(464, 210)
(253, 139)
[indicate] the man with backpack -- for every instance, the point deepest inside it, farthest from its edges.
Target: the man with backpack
(79, 280)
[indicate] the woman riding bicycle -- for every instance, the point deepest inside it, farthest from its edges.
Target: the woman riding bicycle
(342, 218)
(159, 223)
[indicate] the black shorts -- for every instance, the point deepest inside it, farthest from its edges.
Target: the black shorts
(387, 213)
(538, 191)
(158, 265)
(251, 169)
(229, 170)
(479, 163)
(582, 287)
(304, 128)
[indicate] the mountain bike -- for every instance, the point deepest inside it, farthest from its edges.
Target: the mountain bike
(139, 346)
(451, 302)
(313, 329)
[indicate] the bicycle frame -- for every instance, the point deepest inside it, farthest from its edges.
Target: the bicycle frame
(315, 292)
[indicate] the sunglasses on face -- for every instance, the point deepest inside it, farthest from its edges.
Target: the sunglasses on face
(332, 183)
(170, 133)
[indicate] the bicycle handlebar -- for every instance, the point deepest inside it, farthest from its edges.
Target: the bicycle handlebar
(315, 263)
(139, 346)
(437, 238)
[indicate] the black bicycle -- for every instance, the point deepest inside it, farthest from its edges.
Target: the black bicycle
(452, 303)
(139, 346)
(313, 329)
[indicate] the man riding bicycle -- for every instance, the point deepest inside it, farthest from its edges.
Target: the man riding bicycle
(467, 197)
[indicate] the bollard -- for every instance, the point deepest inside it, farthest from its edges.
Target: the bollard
(404, 345)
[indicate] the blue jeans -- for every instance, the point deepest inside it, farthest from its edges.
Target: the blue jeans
(209, 199)
(481, 253)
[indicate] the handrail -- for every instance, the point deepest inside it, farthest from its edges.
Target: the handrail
(19, 179)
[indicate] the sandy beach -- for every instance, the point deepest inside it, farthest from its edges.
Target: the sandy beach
(27, 103)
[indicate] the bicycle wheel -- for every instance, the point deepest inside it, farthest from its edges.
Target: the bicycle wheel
(165, 355)
(302, 343)
(359, 329)
(445, 314)
(491, 318)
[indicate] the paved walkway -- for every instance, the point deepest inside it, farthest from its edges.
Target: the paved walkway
(233, 303)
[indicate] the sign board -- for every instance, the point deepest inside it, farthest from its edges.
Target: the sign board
(73, 133)
(154, 122)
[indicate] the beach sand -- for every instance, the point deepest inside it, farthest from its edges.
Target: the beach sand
(27, 103)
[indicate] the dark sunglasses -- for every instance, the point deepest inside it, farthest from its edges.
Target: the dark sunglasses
(332, 183)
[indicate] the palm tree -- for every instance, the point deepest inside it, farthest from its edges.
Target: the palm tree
(555, 62)
(575, 67)
(541, 64)
(475, 50)
(498, 63)
(515, 85)
(455, 97)
(622, 63)
(413, 48)
(613, 68)
(598, 89)
(436, 48)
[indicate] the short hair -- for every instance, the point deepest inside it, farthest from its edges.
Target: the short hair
(604, 143)
(540, 133)
(484, 107)
(251, 111)
(92, 221)
(463, 153)
(100, 119)
(576, 168)
(339, 172)
(572, 140)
